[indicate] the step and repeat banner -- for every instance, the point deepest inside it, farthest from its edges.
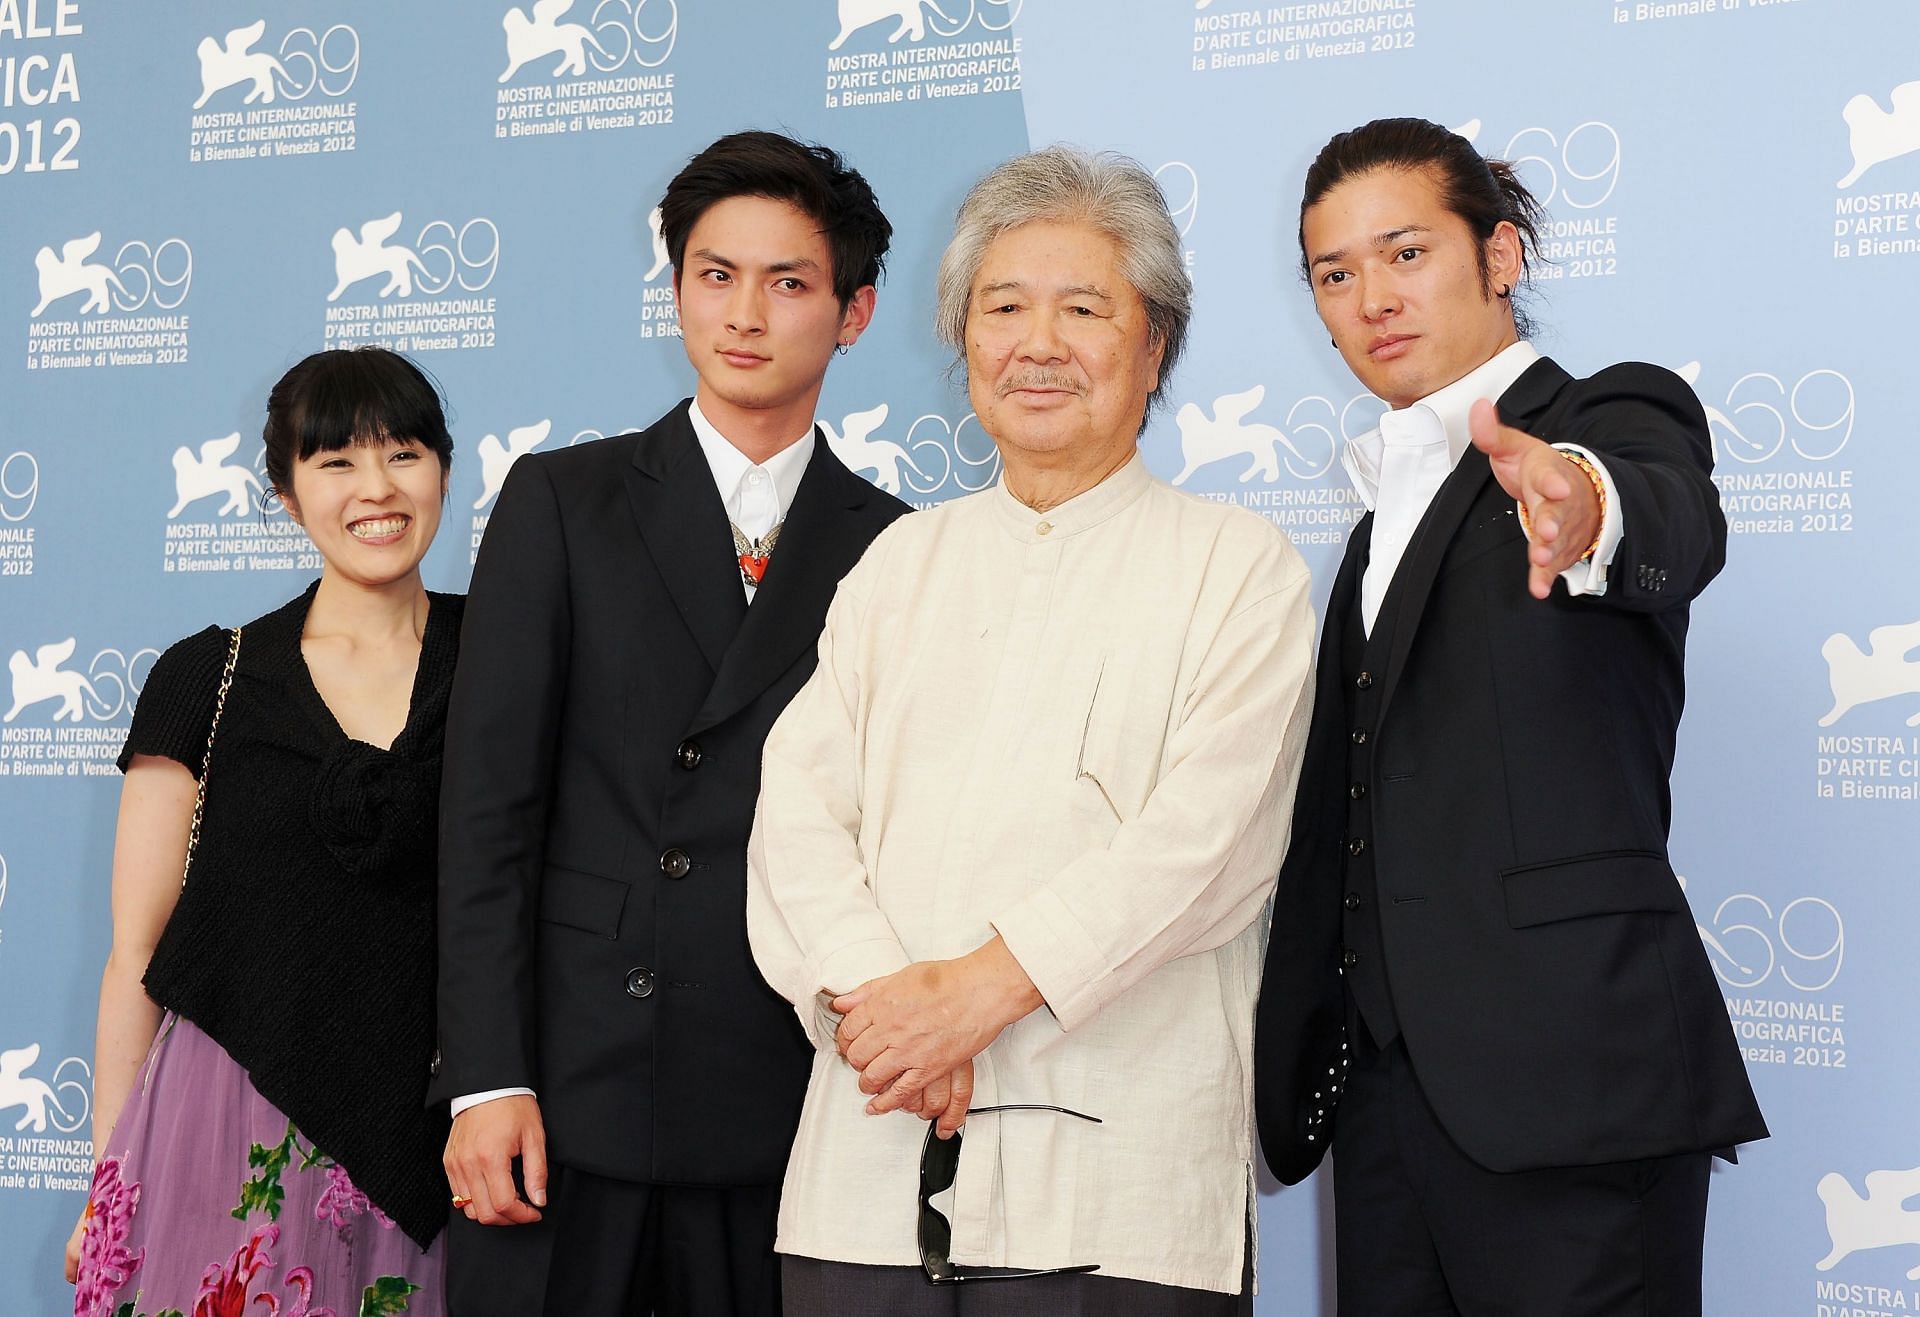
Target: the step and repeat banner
(194, 197)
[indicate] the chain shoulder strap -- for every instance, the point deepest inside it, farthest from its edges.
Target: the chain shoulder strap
(206, 760)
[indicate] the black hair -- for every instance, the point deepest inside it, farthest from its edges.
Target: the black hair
(813, 179)
(1482, 192)
(343, 396)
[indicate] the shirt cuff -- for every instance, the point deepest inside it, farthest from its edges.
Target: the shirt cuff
(1589, 575)
(846, 968)
(471, 1100)
(1064, 963)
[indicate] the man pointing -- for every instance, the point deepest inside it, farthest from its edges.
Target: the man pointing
(1483, 986)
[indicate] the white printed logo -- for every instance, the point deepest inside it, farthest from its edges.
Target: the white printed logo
(1180, 186)
(619, 34)
(1856, 1224)
(106, 690)
(1820, 405)
(40, 1101)
(1885, 670)
(1314, 430)
(1876, 136)
(442, 258)
(933, 452)
(204, 475)
(1207, 439)
(327, 62)
(1581, 171)
(1806, 943)
(914, 18)
(368, 256)
(143, 276)
(40, 678)
(661, 258)
(19, 486)
(69, 273)
(227, 65)
(496, 459)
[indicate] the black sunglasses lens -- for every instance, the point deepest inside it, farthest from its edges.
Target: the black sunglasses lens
(939, 1161)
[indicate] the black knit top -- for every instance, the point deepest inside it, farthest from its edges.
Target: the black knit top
(304, 941)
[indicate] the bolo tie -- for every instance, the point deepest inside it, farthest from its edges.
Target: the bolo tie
(754, 555)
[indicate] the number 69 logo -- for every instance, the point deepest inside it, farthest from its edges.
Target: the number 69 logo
(1805, 943)
(1580, 172)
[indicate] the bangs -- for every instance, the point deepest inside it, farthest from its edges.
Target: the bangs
(369, 398)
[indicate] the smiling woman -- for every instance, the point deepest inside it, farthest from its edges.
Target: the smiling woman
(282, 994)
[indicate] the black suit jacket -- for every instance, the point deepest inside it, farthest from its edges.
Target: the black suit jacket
(1549, 980)
(602, 763)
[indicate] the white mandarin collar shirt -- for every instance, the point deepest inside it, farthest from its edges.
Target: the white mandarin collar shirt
(1399, 467)
(1081, 729)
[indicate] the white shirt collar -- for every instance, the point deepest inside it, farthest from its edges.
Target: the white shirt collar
(1447, 406)
(731, 467)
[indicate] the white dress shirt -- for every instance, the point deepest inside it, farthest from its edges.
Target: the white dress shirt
(757, 498)
(1081, 729)
(1400, 466)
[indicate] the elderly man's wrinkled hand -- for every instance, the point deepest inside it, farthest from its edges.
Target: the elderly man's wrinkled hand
(946, 1100)
(915, 1027)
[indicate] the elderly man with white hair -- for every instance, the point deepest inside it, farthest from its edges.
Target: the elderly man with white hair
(1016, 834)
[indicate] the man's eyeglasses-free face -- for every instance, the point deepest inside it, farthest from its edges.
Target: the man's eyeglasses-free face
(939, 1161)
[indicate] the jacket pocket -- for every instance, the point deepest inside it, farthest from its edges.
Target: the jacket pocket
(1604, 883)
(585, 901)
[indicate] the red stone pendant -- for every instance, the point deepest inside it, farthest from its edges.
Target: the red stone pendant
(754, 565)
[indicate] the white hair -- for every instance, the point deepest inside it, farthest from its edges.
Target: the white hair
(1106, 191)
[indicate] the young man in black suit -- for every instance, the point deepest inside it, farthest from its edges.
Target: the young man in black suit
(1483, 987)
(643, 608)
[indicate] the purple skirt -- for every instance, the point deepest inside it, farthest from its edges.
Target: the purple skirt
(207, 1202)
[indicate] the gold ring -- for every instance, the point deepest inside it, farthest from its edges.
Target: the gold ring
(461, 1200)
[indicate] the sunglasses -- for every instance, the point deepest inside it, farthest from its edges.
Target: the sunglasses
(939, 1161)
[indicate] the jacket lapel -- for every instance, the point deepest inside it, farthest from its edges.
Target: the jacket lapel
(1402, 610)
(684, 525)
(819, 544)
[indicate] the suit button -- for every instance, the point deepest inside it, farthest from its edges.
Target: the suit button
(1358, 791)
(640, 982)
(1357, 846)
(1359, 736)
(1349, 957)
(675, 864)
(687, 755)
(1353, 900)
(1364, 681)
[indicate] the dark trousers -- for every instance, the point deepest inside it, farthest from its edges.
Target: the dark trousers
(844, 1289)
(1420, 1228)
(614, 1248)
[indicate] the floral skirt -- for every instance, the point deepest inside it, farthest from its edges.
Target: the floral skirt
(207, 1202)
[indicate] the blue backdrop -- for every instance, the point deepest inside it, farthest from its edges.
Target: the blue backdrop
(193, 197)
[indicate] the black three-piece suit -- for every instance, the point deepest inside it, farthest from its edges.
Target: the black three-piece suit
(1481, 961)
(602, 763)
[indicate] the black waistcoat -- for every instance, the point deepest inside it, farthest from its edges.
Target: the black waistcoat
(1363, 956)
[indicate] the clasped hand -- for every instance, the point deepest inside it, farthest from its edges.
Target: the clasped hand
(913, 1034)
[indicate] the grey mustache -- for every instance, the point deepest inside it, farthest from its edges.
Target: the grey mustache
(1040, 379)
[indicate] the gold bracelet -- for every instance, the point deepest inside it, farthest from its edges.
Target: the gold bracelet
(1599, 492)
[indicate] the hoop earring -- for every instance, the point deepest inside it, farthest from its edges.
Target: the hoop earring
(1505, 289)
(841, 350)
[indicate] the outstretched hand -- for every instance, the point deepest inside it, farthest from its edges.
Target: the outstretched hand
(1560, 501)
